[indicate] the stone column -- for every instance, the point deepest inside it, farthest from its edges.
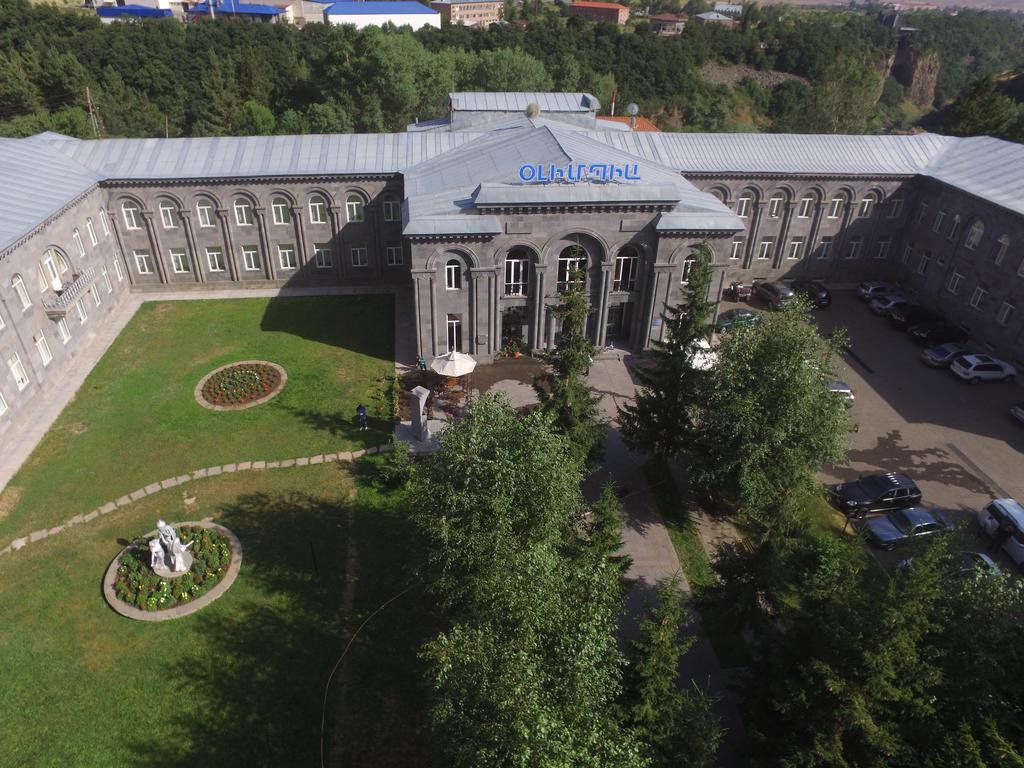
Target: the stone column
(193, 249)
(755, 230)
(474, 309)
(261, 223)
(494, 312)
(839, 242)
(781, 245)
(300, 238)
(120, 247)
(154, 244)
(537, 330)
(550, 327)
(602, 310)
(418, 278)
(336, 244)
(433, 316)
(814, 236)
(229, 243)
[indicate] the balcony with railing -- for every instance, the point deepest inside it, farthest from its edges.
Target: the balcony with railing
(60, 302)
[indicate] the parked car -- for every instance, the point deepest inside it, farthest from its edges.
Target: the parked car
(1017, 412)
(942, 355)
(774, 295)
(1007, 514)
(875, 493)
(872, 289)
(934, 333)
(883, 305)
(968, 562)
(907, 315)
(906, 525)
(817, 294)
(738, 316)
(843, 390)
(975, 368)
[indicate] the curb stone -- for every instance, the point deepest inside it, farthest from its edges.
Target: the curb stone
(19, 543)
(91, 516)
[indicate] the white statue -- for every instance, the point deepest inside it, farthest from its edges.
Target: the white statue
(178, 552)
(166, 534)
(156, 553)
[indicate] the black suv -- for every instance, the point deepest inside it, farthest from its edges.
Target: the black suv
(875, 493)
(907, 315)
(817, 294)
(934, 333)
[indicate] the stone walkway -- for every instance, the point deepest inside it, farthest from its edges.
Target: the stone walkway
(177, 480)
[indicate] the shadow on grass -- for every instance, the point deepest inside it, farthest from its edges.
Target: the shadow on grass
(345, 425)
(363, 323)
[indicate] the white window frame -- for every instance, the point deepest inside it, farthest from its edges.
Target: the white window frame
(18, 371)
(393, 254)
(743, 206)
(3, 404)
(215, 258)
(117, 271)
(867, 205)
(922, 265)
(76, 236)
(143, 258)
(954, 229)
(796, 248)
(359, 256)
(50, 273)
(243, 212)
(882, 251)
(1002, 249)
(684, 276)
(203, 211)
(1005, 313)
(774, 206)
(953, 285)
(835, 209)
(95, 295)
(853, 248)
(392, 209)
(974, 235)
(895, 206)
(806, 207)
(251, 258)
(42, 347)
(764, 249)
(453, 275)
(167, 211)
(908, 251)
(626, 268)
(83, 313)
(977, 297)
(90, 229)
(18, 284)
(825, 247)
(131, 222)
(106, 279)
(517, 276)
(317, 209)
(922, 213)
(322, 255)
(63, 332)
(355, 209)
(286, 257)
(105, 223)
(2, 323)
(939, 218)
(280, 211)
(736, 253)
(179, 260)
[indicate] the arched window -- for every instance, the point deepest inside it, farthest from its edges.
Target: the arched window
(281, 211)
(243, 212)
(806, 207)
(77, 237)
(49, 270)
(132, 215)
(836, 207)
(775, 206)
(204, 212)
(453, 275)
(687, 269)
(317, 210)
(895, 206)
(974, 235)
(626, 265)
(21, 291)
(743, 206)
(867, 206)
(954, 229)
(517, 272)
(572, 268)
(105, 222)
(392, 209)
(354, 208)
(169, 214)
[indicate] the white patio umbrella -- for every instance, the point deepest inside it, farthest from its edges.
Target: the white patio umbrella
(454, 364)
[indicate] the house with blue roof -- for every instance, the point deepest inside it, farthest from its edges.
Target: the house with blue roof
(234, 9)
(377, 13)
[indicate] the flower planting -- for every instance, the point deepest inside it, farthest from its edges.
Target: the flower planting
(241, 384)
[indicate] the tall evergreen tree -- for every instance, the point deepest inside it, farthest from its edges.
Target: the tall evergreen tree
(660, 420)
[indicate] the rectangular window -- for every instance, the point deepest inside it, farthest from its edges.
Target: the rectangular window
(922, 266)
(250, 258)
(937, 225)
(882, 252)
(625, 273)
(796, 248)
(104, 222)
(1005, 313)
(737, 249)
(743, 207)
(907, 253)
(117, 271)
(77, 237)
(44, 348)
(806, 206)
(3, 404)
(215, 258)
(1001, 248)
(18, 371)
(895, 207)
(866, 205)
(95, 296)
(280, 211)
(954, 282)
(684, 276)
(774, 207)
(1020, 268)
(764, 250)
(392, 210)
(132, 220)
(83, 313)
(354, 208)
(359, 256)
(22, 292)
(204, 212)
(836, 208)
(91, 231)
(853, 248)
(144, 262)
(977, 297)
(393, 251)
(62, 331)
(825, 249)
(322, 255)
(2, 323)
(922, 214)
(179, 260)
(243, 213)
(516, 276)
(317, 210)
(167, 216)
(286, 256)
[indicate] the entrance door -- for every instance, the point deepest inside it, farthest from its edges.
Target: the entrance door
(618, 327)
(454, 333)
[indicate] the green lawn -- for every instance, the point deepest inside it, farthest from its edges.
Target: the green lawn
(135, 421)
(239, 683)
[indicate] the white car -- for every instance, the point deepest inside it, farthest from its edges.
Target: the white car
(873, 289)
(1009, 512)
(883, 305)
(975, 368)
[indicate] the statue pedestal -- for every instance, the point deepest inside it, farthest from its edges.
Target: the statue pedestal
(164, 572)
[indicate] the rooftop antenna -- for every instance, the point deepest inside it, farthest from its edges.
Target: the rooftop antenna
(632, 110)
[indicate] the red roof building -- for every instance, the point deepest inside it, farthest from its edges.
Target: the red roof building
(595, 11)
(668, 24)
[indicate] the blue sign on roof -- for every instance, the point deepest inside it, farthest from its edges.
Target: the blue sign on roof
(140, 11)
(379, 7)
(230, 7)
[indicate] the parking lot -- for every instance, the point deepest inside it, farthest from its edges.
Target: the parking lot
(957, 441)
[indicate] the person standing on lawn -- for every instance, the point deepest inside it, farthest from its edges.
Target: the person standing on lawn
(361, 416)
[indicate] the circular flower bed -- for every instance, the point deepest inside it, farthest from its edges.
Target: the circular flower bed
(137, 585)
(241, 384)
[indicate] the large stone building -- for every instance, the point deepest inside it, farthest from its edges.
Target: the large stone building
(482, 216)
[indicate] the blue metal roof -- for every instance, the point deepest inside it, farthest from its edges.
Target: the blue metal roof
(230, 7)
(379, 7)
(141, 11)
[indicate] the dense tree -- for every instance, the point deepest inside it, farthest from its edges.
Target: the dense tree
(660, 420)
(986, 111)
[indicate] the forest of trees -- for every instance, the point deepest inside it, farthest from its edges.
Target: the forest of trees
(220, 77)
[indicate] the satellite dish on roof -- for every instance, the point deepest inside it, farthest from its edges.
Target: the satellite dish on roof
(532, 109)
(632, 109)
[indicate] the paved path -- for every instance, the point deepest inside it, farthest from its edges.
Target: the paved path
(177, 480)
